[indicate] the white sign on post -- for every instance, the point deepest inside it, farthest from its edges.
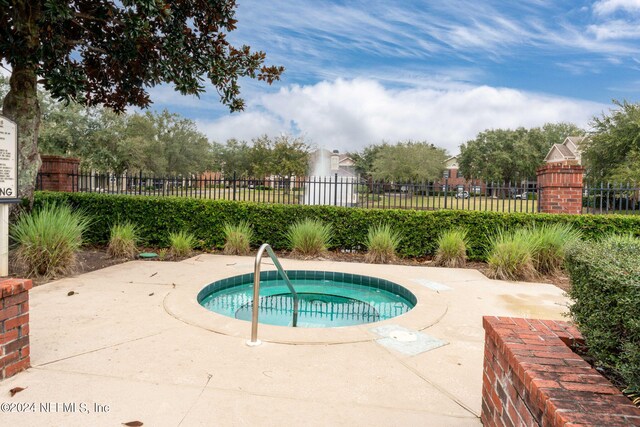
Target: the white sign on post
(8, 185)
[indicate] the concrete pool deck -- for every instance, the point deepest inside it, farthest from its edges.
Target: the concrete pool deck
(132, 338)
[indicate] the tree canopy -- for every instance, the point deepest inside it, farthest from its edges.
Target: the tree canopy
(282, 156)
(612, 150)
(156, 143)
(364, 159)
(406, 161)
(110, 52)
(508, 155)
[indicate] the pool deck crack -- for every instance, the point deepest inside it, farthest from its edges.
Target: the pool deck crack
(209, 376)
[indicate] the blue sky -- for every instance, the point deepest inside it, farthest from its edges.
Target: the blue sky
(359, 72)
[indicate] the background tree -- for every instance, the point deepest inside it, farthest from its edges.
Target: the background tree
(283, 156)
(556, 133)
(406, 161)
(234, 158)
(290, 156)
(108, 52)
(612, 151)
(156, 143)
(364, 159)
(185, 150)
(507, 155)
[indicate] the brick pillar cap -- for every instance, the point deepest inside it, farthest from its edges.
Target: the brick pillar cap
(13, 286)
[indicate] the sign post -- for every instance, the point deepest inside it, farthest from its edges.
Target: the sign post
(8, 185)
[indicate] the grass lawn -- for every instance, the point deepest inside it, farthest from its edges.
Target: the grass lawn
(382, 201)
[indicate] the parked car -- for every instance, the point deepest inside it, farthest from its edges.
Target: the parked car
(522, 196)
(462, 195)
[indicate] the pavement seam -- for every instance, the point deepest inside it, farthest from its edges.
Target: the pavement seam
(259, 394)
(103, 348)
(442, 390)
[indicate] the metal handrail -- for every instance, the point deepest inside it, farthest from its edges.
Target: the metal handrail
(256, 291)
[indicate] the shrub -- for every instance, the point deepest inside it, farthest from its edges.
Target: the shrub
(452, 248)
(123, 241)
(162, 254)
(511, 256)
(620, 240)
(157, 216)
(309, 237)
(237, 238)
(381, 243)
(48, 240)
(605, 289)
(181, 243)
(551, 242)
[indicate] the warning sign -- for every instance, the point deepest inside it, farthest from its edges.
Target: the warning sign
(8, 159)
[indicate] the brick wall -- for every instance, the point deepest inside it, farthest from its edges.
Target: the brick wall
(14, 326)
(560, 188)
(531, 377)
(55, 173)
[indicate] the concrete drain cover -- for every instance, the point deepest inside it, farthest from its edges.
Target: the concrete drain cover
(405, 340)
(403, 336)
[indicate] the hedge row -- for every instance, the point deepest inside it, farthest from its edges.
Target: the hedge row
(157, 216)
(605, 289)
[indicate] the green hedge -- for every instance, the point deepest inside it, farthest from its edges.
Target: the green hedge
(157, 216)
(605, 280)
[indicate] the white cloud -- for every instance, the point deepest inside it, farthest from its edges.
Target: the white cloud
(615, 30)
(5, 69)
(350, 114)
(242, 126)
(607, 7)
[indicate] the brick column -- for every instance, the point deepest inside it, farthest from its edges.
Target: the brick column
(14, 326)
(56, 171)
(560, 188)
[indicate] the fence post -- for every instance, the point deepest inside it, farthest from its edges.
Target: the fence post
(234, 186)
(140, 183)
(335, 190)
(446, 191)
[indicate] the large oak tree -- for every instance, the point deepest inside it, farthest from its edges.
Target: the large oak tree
(511, 155)
(409, 161)
(110, 52)
(612, 151)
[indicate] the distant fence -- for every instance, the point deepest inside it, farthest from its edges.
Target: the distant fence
(351, 192)
(608, 198)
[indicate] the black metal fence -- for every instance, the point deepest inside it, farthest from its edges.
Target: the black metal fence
(332, 190)
(597, 198)
(608, 198)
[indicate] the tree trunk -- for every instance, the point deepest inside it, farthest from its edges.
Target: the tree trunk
(21, 105)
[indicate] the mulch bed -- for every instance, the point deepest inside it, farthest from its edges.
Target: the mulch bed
(96, 258)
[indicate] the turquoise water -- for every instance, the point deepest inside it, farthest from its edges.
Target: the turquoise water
(322, 303)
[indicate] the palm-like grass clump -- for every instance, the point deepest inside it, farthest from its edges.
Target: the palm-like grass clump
(309, 237)
(510, 256)
(237, 238)
(48, 240)
(181, 243)
(550, 245)
(452, 249)
(123, 241)
(382, 242)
